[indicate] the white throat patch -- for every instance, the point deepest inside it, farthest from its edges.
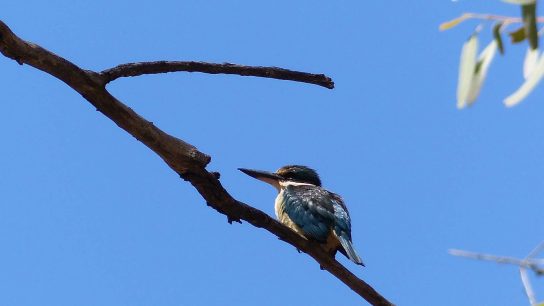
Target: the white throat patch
(284, 184)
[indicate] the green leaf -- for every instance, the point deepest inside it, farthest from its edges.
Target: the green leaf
(518, 35)
(530, 83)
(528, 13)
(467, 66)
(530, 31)
(498, 37)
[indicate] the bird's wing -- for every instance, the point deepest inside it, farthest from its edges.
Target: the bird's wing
(342, 228)
(310, 208)
(342, 220)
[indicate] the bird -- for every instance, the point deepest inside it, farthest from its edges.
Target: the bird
(313, 212)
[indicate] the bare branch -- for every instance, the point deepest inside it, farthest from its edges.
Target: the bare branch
(507, 19)
(136, 69)
(180, 156)
(526, 263)
(535, 251)
(466, 16)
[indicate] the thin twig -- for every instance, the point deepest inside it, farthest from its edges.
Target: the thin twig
(527, 263)
(535, 251)
(466, 16)
(508, 19)
(136, 69)
(180, 156)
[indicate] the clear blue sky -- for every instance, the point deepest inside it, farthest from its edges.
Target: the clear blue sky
(89, 216)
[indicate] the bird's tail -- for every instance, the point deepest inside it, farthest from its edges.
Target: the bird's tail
(350, 251)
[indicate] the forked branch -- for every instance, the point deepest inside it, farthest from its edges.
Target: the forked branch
(529, 262)
(183, 158)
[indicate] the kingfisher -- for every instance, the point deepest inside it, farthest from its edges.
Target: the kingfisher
(310, 210)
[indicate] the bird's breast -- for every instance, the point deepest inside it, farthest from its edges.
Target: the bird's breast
(283, 217)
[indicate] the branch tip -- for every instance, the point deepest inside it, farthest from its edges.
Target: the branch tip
(143, 68)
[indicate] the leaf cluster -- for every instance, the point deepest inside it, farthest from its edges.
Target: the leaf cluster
(473, 67)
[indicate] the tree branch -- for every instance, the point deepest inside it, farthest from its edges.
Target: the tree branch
(180, 156)
(529, 263)
(466, 16)
(136, 69)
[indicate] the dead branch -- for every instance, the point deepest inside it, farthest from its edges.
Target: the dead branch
(136, 69)
(182, 157)
(528, 262)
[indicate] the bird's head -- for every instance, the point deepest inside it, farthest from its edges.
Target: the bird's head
(285, 174)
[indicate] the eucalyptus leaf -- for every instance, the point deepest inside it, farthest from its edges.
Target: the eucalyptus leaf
(498, 37)
(467, 67)
(528, 13)
(528, 86)
(529, 64)
(518, 35)
(452, 23)
(480, 72)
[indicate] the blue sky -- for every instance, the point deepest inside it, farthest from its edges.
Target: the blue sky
(89, 216)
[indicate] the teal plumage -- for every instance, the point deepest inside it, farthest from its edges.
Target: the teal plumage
(310, 210)
(342, 228)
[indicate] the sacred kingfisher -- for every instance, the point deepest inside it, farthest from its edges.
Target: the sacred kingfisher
(310, 210)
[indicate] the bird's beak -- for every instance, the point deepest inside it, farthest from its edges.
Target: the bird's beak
(265, 176)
